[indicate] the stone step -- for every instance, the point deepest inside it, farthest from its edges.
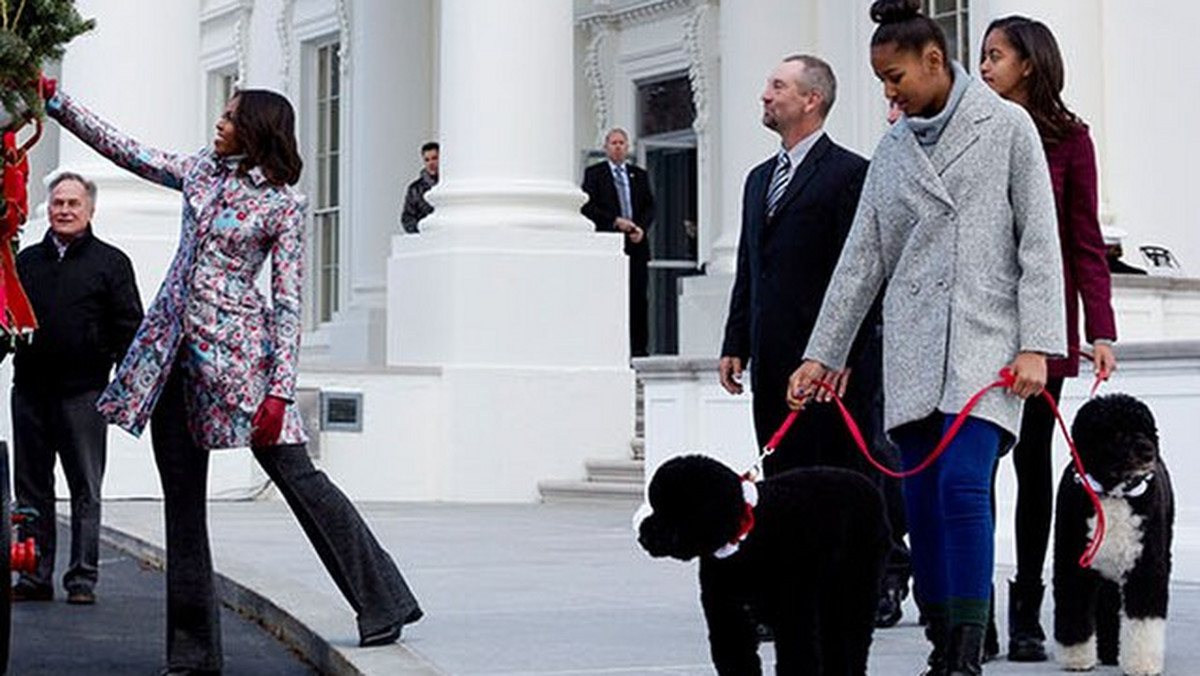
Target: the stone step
(615, 471)
(590, 491)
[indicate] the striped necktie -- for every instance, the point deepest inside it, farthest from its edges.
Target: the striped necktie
(779, 182)
(621, 178)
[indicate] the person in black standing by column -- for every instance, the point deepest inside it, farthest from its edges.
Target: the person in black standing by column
(619, 200)
(85, 296)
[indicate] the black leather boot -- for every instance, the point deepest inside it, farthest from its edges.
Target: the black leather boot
(1026, 640)
(937, 632)
(965, 651)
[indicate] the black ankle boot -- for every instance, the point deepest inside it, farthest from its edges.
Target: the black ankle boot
(1026, 640)
(937, 632)
(965, 651)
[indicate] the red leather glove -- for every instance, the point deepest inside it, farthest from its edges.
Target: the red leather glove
(268, 422)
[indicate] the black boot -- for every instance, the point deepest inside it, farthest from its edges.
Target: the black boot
(965, 650)
(1026, 640)
(937, 632)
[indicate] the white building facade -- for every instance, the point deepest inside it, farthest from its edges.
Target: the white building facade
(490, 351)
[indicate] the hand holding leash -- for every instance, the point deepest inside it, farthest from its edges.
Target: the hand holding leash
(804, 383)
(1029, 374)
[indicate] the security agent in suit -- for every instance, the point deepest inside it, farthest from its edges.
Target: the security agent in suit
(796, 213)
(619, 200)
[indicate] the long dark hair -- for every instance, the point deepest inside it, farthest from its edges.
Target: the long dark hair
(901, 23)
(1035, 43)
(266, 128)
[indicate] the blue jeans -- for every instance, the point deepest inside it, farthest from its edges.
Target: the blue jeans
(949, 513)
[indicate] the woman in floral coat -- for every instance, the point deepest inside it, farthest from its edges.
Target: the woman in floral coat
(214, 366)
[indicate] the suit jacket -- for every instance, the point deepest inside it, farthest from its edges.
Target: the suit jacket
(785, 262)
(1085, 266)
(603, 206)
(209, 316)
(965, 236)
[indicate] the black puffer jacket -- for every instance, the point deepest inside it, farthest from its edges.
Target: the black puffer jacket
(88, 310)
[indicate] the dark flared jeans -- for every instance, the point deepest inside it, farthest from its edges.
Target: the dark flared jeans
(363, 571)
(46, 425)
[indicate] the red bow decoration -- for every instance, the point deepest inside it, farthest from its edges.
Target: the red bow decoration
(16, 314)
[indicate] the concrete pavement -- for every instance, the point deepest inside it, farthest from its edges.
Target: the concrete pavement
(529, 590)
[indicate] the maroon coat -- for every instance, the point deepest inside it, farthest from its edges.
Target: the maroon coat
(1073, 172)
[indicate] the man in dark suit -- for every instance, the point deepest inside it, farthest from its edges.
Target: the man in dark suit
(619, 200)
(797, 209)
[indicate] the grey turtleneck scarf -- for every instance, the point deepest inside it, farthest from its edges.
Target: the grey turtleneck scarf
(929, 129)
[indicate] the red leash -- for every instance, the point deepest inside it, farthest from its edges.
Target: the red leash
(1005, 380)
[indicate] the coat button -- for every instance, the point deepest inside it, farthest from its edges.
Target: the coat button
(914, 287)
(941, 284)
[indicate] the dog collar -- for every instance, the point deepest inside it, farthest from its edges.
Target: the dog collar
(750, 495)
(1130, 488)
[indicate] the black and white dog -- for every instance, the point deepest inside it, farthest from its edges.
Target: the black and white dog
(801, 552)
(1116, 609)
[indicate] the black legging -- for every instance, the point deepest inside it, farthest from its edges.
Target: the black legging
(1034, 469)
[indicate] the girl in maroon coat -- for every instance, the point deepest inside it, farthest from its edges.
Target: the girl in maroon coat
(1020, 60)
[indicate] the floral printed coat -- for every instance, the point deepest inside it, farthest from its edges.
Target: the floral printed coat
(209, 318)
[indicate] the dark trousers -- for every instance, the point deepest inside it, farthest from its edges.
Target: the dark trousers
(363, 571)
(1035, 484)
(639, 303)
(46, 424)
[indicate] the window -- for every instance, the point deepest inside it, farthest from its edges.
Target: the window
(327, 156)
(222, 84)
(953, 17)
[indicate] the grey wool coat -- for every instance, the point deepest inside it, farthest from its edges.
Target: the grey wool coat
(965, 239)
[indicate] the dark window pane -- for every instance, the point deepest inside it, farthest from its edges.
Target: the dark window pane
(334, 165)
(335, 70)
(335, 124)
(665, 105)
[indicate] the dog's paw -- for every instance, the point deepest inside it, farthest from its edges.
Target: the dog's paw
(1143, 643)
(1078, 657)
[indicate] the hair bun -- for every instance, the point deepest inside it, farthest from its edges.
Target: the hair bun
(894, 11)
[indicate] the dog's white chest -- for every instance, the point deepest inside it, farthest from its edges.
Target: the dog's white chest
(1122, 545)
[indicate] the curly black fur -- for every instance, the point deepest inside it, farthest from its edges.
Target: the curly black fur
(1116, 438)
(809, 569)
(1115, 610)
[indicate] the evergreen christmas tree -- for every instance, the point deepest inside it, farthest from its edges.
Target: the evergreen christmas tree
(33, 32)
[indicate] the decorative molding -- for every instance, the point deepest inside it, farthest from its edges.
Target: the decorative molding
(695, 44)
(285, 31)
(633, 13)
(343, 17)
(240, 29)
(593, 68)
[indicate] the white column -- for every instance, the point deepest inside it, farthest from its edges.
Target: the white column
(754, 38)
(507, 288)
(389, 114)
(508, 158)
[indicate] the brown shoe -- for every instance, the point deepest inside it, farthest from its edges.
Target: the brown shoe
(83, 597)
(29, 592)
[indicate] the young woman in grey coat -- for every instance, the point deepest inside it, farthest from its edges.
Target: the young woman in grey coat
(957, 220)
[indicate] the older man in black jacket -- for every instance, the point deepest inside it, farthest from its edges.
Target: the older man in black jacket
(86, 300)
